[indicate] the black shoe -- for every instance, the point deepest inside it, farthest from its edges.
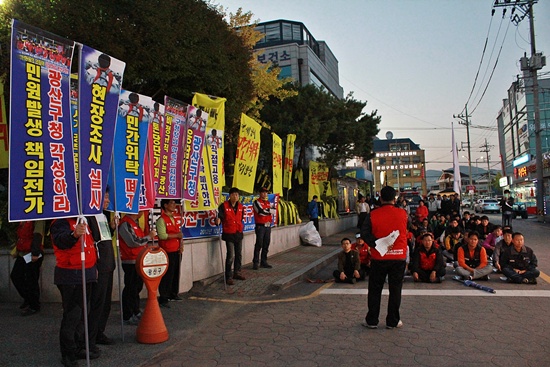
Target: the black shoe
(266, 265)
(28, 311)
(24, 305)
(255, 266)
(104, 340)
(94, 353)
(229, 281)
(176, 298)
(238, 276)
(164, 305)
(69, 362)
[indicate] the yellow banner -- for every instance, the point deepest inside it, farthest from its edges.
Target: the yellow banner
(318, 179)
(212, 173)
(277, 164)
(289, 160)
(3, 130)
(248, 150)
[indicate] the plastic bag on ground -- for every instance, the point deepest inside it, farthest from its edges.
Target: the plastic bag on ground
(309, 235)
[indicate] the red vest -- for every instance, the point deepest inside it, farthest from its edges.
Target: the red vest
(233, 222)
(263, 219)
(25, 233)
(427, 260)
(172, 244)
(127, 252)
(70, 258)
(385, 220)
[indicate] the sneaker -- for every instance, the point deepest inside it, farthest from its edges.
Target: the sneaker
(133, 321)
(369, 326)
(163, 305)
(525, 281)
(230, 281)
(138, 315)
(94, 354)
(485, 277)
(532, 280)
(505, 279)
(399, 325)
(266, 265)
(238, 276)
(353, 281)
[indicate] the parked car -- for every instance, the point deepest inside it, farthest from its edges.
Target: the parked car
(466, 203)
(487, 206)
(520, 210)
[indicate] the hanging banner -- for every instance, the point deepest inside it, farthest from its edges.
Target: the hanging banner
(289, 161)
(74, 121)
(318, 179)
(4, 156)
(193, 154)
(129, 151)
(203, 223)
(42, 180)
(100, 78)
(277, 164)
(248, 150)
(154, 146)
(172, 146)
(147, 188)
(212, 173)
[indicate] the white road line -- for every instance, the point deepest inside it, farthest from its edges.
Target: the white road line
(444, 292)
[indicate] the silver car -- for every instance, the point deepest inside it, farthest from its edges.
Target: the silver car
(487, 206)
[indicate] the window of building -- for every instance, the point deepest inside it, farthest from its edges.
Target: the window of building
(272, 32)
(287, 31)
(416, 172)
(382, 161)
(296, 32)
(407, 185)
(406, 173)
(405, 160)
(405, 146)
(416, 159)
(286, 72)
(396, 160)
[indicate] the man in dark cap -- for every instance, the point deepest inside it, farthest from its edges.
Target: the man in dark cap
(262, 218)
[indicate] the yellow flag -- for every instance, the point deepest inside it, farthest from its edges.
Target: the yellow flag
(248, 151)
(277, 164)
(289, 160)
(318, 178)
(3, 130)
(212, 173)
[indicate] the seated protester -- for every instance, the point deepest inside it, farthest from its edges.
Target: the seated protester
(501, 246)
(424, 225)
(492, 239)
(472, 260)
(348, 264)
(440, 229)
(452, 242)
(427, 264)
(484, 228)
(453, 223)
(364, 255)
(464, 220)
(433, 223)
(474, 222)
(519, 262)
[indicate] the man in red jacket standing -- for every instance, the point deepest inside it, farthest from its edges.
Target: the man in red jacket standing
(386, 224)
(262, 218)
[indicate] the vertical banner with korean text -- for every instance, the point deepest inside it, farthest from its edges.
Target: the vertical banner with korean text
(318, 179)
(74, 121)
(212, 173)
(154, 145)
(248, 151)
(172, 146)
(289, 161)
(4, 156)
(132, 128)
(193, 153)
(42, 180)
(100, 80)
(277, 164)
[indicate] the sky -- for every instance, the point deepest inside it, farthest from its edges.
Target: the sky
(415, 62)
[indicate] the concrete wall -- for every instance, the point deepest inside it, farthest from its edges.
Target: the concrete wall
(201, 259)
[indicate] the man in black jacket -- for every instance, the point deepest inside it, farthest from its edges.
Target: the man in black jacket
(519, 262)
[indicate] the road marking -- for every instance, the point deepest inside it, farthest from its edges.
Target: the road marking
(545, 277)
(443, 292)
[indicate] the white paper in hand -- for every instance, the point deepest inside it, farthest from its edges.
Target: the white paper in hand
(383, 243)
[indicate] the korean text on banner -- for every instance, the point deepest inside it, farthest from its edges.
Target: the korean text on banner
(193, 154)
(154, 145)
(289, 161)
(3, 130)
(318, 179)
(212, 173)
(248, 151)
(100, 79)
(42, 180)
(277, 164)
(129, 151)
(172, 147)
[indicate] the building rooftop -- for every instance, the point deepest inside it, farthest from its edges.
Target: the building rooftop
(380, 145)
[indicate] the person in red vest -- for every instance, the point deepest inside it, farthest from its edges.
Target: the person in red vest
(28, 260)
(387, 224)
(132, 240)
(231, 216)
(67, 237)
(262, 218)
(171, 241)
(427, 263)
(364, 255)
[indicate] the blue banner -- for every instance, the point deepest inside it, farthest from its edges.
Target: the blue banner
(42, 179)
(100, 79)
(131, 136)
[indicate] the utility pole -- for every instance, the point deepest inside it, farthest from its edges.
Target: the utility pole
(535, 63)
(486, 151)
(464, 117)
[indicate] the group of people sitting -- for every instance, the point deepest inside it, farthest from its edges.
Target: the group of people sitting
(473, 246)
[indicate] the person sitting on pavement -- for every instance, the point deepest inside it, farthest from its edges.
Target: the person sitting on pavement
(464, 220)
(501, 246)
(453, 223)
(492, 239)
(348, 264)
(519, 263)
(484, 228)
(427, 264)
(452, 241)
(472, 260)
(364, 255)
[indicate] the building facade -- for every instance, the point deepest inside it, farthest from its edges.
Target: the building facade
(399, 163)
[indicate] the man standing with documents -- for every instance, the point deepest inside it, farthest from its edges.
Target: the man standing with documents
(385, 231)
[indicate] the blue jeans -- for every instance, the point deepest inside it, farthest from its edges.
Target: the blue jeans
(234, 255)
